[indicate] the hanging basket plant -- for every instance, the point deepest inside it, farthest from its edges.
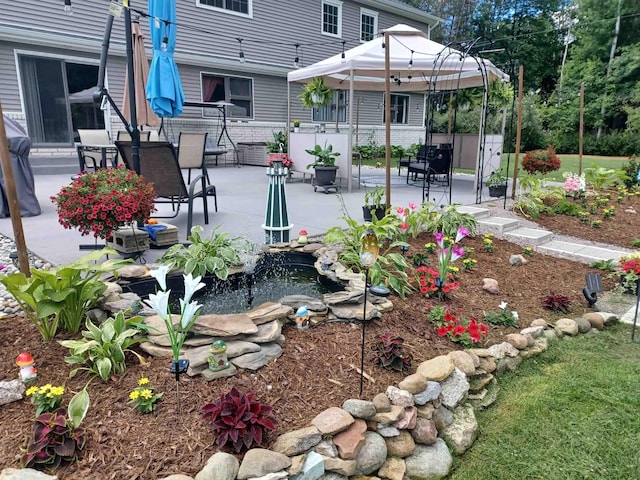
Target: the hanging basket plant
(316, 93)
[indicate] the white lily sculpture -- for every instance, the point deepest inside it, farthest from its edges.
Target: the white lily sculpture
(189, 310)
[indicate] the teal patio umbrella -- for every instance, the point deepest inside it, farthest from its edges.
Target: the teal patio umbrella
(164, 90)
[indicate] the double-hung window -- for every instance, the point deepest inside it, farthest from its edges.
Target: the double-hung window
(332, 17)
(336, 109)
(235, 90)
(239, 7)
(368, 24)
(399, 109)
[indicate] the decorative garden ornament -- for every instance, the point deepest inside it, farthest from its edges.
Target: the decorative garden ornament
(27, 370)
(302, 318)
(218, 359)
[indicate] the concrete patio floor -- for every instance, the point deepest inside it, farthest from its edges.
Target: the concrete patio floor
(242, 196)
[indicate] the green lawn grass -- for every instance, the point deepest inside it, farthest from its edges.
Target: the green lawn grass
(573, 412)
(569, 163)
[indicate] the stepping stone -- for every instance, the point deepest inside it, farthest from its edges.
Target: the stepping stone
(585, 252)
(533, 235)
(477, 212)
(498, 224)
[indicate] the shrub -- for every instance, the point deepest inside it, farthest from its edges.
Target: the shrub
(239, 419)
(541, 161)
(556, 302)
(631, 171)
(389, 353)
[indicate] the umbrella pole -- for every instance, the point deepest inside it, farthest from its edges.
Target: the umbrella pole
(133, 126)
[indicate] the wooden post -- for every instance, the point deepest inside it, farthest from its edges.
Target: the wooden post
(518, 133)
(581, 128)
(12, 199)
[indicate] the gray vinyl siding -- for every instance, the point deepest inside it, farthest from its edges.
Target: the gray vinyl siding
(9, 90)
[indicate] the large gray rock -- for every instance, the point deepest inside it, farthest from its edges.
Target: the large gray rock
(454, 389)
(429, 462)
(25, 474)
(257, 360)
(297, 441)
(464, 429)
(268, 312)
(267, 332)
(372, 454)
(258, 462)
(430, 393)
(11, 391)
(359, 408)
(220, 466)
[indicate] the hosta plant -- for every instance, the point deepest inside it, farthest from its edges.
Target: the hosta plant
(239, 419)
(389, 353)
(56, 438)
(556, 302)
(102, 348)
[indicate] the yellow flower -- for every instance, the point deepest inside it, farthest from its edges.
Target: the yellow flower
(57, 391)
(44, 389)
(134, 395)
(146, 393)
(31, 390)
(143, 381)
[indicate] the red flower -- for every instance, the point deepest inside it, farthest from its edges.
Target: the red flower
(442, 331)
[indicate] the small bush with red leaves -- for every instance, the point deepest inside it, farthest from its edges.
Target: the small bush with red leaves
(54, 440)
(541, 161)
(556, 302)
(239, 419)
(389, 353)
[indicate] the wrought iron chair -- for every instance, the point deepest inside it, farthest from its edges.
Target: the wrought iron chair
(159, 165)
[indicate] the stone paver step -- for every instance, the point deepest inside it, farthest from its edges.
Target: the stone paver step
(533, 235)
(497, 224)
(585, 252)
(477, 212)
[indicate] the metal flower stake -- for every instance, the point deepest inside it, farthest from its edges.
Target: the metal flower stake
(369, 250)
(189, 312)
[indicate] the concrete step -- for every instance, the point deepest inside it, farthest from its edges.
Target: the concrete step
(534, 236)
(477, 212)
(497, 224)
(585, 252)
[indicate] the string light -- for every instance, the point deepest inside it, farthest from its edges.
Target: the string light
(165, 39)
(296, 61)
(242, 60)
(343, 59)
(411, 61)
(68, 8)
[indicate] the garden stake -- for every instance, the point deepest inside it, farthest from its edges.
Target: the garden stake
(369, 249)
(364, 326)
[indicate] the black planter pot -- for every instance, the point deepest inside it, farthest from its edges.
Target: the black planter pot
(497, 190)
(378, 211)
(325, 175)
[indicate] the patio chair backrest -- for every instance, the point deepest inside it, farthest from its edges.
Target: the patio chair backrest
(125, 136)
(441, 163)
(426, 152)
(158, 165)
(94, 137)
(154, 136)
(191, 148)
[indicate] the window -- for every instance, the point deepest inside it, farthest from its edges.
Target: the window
(332, 17)
(399, 109)
(368, 24)
(242, 7)
(236, 90)
(327, 114)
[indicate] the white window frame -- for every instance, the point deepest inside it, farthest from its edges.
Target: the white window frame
(338, 5)
(211, 113)
(228, 12)
(369, 13)
(333, 109)
(406, 110)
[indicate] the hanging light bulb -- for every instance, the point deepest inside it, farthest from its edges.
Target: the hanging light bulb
(343, 58)
(241, 55)
(68, 8)
(165, 43)
(296, 61)
(411, 61)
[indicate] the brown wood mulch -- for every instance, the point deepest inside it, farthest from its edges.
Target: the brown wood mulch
(317, 370)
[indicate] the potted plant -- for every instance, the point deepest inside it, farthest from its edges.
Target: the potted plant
(497, 184)
(279, 144)
(316, 93)
(296, 126)
(324, 165)
(373, 204)
(101, 201)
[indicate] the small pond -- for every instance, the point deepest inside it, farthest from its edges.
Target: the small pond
(275, 276)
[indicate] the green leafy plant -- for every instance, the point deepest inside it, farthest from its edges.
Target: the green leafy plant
(631, 170)
(629, 269)
(527, 251)
(635, 242)
(496, 179)
(469, 263)
(390, 268)
(56, 438)
(452, 325)
(600, 178)
(389, 353)
(373, 198)
(446, 219)
(279, 144)
(63, 295)
(556, 302)
(213, 255)
(505, 316)
(315, 93)
(102, 348)
(605, 265)
(239, 419)
(143, 398)
(46, 398)
(325, 157)
(487, 242)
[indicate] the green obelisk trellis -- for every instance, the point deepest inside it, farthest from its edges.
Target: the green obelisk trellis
(276, 223)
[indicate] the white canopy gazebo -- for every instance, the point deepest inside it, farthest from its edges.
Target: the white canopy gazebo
(401, 60)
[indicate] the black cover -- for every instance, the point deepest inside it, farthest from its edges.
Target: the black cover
(19, 146)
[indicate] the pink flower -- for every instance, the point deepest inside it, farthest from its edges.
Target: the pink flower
(403, 226)
(439, 236)
(413, 206)
(457, 252)
(462, 232)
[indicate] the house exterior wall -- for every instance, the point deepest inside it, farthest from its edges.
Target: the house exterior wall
(207, 43)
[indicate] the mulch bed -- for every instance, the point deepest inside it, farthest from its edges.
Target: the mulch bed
(316, 371)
